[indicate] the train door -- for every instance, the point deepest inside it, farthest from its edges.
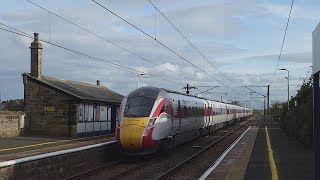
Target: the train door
(205, 115)
(209, 113)
(180, 115)
(213, 115)
(177, 120)
(227, 112)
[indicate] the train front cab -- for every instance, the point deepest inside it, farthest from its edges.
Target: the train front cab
(135, 125)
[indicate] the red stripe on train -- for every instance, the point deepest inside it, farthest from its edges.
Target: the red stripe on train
(157, 111)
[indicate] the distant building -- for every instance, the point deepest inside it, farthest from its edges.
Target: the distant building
(66, 108)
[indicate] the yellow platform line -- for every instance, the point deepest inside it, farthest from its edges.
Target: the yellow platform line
(47, 143)
(274, 172)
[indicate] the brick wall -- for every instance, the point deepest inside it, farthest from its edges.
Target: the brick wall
(40, 120)
(10, 124)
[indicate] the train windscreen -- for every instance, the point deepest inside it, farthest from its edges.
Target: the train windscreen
(138, 107)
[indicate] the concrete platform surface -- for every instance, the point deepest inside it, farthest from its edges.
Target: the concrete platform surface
(292, 159)
(24, 146)
(234, 164)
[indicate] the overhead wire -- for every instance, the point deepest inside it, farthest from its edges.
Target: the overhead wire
(157, 40)
(283, 39)
(165, 46)
(115, 65)
(160, 65)
(104, 39)
(203, 56)
(50, 12)
(194, 47)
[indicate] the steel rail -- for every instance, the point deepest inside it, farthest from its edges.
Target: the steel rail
(137, 167)
(175, 168)
(91, 170)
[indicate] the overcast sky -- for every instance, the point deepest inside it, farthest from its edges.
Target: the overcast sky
(242, 38)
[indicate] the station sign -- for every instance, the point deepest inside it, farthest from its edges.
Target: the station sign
(316, 49)
(49, 109)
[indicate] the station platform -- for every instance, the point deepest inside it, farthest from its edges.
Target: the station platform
(25, 146)
(250, 159)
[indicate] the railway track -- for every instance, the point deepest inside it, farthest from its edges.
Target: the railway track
(77, 176)
(186, 162)
(161, 167)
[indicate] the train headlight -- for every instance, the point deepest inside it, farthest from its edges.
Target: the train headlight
(151, 122)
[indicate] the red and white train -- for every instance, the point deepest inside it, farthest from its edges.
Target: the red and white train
(151, 118)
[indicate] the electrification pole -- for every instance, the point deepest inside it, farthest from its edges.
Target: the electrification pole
(268, 95)
(264, 104)
(187, 88)
(253, 91)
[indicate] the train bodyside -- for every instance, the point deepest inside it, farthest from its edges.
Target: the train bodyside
(153, 117)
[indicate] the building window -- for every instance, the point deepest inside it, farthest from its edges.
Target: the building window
(97, 113)
(81, 113)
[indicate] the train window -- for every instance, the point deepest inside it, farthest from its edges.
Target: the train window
(185, 114)
(188, 112)
(175, 111)
(138, 107)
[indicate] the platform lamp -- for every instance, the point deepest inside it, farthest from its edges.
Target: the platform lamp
(140, 75)
(282, 69)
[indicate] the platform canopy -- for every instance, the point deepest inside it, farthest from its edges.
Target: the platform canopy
(316, 49)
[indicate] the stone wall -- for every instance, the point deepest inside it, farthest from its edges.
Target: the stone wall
(11, 124)
(60, 167)
(48, 112)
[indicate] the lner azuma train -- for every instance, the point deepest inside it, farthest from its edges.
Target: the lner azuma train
(153, 118)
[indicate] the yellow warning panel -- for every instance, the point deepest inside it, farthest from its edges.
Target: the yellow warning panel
(131, 132)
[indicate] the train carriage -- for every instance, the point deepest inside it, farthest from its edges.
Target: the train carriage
(151, 118)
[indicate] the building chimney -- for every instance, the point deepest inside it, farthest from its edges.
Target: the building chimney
(98, 83)
(36, 57)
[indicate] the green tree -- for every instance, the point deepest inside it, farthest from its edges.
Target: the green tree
(298, 120)
(13, 105)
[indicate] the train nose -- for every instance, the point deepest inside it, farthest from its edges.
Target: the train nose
(131, 133)
(131, 137)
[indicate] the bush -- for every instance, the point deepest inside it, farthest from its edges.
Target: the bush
(298, 121)
(13, 105)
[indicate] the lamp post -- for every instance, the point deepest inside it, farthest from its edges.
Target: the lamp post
(288, 84)
(140, 75)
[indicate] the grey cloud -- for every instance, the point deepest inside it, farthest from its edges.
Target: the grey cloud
(205, 24)
(303, 57)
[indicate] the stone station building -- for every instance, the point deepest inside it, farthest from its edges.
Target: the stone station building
(58, 107)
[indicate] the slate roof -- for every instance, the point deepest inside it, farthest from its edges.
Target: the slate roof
(79, 90)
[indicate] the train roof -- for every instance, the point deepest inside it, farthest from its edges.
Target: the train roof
(184, 94)
(153, 92)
